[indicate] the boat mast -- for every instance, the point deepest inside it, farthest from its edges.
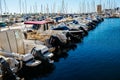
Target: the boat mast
(25, 6)
(30, 11)
(109, 3)
(94, 9)
(0, 10)
(84, 6)
(114, 4)
(20, 5)
(58, 10)
(36, 8)
(104, 5)
(63, 7)
(54, 6)
(47, 9)
(79, 7)
(44, 9)
(1, 7)
(41, 8)
(88, 7)
(5, 7)
(66, 8)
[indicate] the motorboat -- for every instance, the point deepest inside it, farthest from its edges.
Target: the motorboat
(41, 31)
(16, 52)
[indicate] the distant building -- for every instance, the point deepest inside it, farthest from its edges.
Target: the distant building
(99, 9)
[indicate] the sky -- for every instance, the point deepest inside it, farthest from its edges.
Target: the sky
(69, 6)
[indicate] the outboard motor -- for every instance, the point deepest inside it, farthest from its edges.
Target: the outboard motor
(6, 71)
(85, 32)
(90, 26)
(39, 56)
(73, 38)
(102, 19)
(54, 41)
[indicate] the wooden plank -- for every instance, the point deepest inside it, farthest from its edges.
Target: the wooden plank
(19, 40)
(4, 41)
(12, 40)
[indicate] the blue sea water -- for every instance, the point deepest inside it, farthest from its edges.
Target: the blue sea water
(97, 57)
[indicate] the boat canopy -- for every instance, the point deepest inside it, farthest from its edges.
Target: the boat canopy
(36, 22)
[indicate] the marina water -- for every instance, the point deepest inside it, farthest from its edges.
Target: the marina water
(97, 57)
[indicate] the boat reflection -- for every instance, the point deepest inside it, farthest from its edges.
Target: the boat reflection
(63, 52)
(40, 71)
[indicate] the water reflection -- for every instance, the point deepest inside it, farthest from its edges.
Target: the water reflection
(42, 70)
(63, 51)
